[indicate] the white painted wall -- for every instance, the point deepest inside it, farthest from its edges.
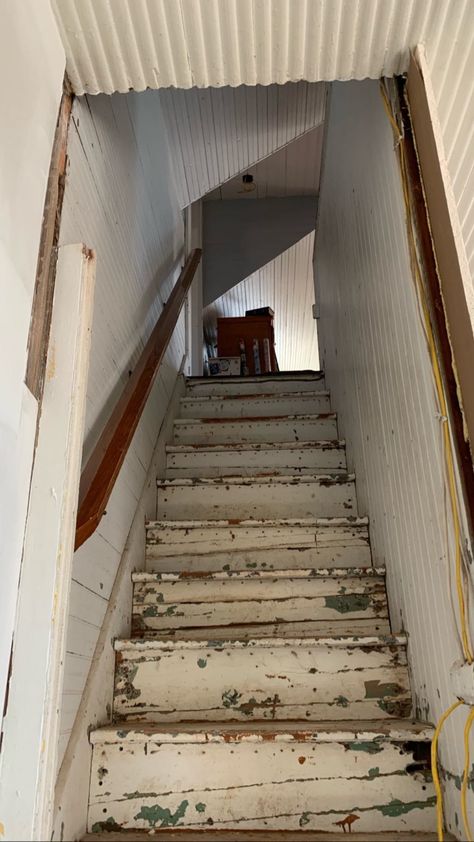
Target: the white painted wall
(375, 357)
(121, 200)
(30, 52)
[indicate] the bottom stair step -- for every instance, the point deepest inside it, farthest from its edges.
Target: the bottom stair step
(369, 777)
(209, 835)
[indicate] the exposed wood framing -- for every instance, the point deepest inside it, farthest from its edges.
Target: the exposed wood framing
(443, 274)
(48, 252)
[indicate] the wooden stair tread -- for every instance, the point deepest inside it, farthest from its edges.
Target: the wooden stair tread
(238, 419)
(287, 573)
(260, 396)
(394, 730)
(320, 444)
(344, 641)
(349, 520)
(167, 835)
(330, 478)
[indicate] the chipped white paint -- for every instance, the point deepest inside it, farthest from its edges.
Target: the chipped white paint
(294, 382)
(379, 372)
(236, 406)
(38, 659)
(291, 428)
(216, 497)
(72, 788)
(299, 778)
(254, 603)
(285, 458)
(205, 545)
(323, 678)
(118, 177)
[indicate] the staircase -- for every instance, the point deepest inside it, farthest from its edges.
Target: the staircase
(262, 695)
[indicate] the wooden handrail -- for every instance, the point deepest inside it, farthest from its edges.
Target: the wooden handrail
(99, 475)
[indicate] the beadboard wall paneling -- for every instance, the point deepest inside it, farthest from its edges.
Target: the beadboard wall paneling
(377, 366)
(286, 285)
(121, 200)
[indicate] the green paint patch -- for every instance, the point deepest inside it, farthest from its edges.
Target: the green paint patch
(304, 819)
(202, 663)
(374, 772)
(348, 603)
(109, 826)
(399, 808)
(226, 567)
(369, 746)
(200, 808)
(380, 689)
(230, 698)
(341, 701)
(251, 565)
(163, 815)
(400, 708)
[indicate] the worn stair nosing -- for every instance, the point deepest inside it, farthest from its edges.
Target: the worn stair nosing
(328, 478)
(257, 419)
(323, 393)
(342, 641)
(287, 573)
(278, 376)
(209, 834)
(340, 731)
(351, 520)
(224, 447)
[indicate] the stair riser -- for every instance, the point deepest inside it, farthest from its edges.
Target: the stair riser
(253, 386)
(241, 500)
(274, 461)
(290, 681)
(260, 785)
(254, 406)
(235, 547)
(216, 432)
(251, 631)
(208, 603)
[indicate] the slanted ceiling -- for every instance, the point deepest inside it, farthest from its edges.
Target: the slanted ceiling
(216, 133)
(286, 285)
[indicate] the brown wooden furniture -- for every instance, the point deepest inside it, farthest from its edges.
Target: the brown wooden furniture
(231, 330)
(99, 475)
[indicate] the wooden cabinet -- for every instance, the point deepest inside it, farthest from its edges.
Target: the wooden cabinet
(247, 328)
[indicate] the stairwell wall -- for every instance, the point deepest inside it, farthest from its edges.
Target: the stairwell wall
(121, 200)
(374, 353)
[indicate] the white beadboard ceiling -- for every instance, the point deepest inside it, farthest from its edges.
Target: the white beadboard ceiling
(292, 171)
(116, 45)
(286, 285)
(216, 133)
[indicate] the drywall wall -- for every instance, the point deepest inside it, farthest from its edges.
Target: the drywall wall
(286, 285)
(241, 237)
(28, 40)
(377, 366)
(121, 200)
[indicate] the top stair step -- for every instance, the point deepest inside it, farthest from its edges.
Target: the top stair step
(290, 381)
(254, 406)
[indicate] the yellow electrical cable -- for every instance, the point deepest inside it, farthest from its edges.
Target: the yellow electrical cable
(434, 769)
(465, 779)
(449, 461)
(448, 453)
